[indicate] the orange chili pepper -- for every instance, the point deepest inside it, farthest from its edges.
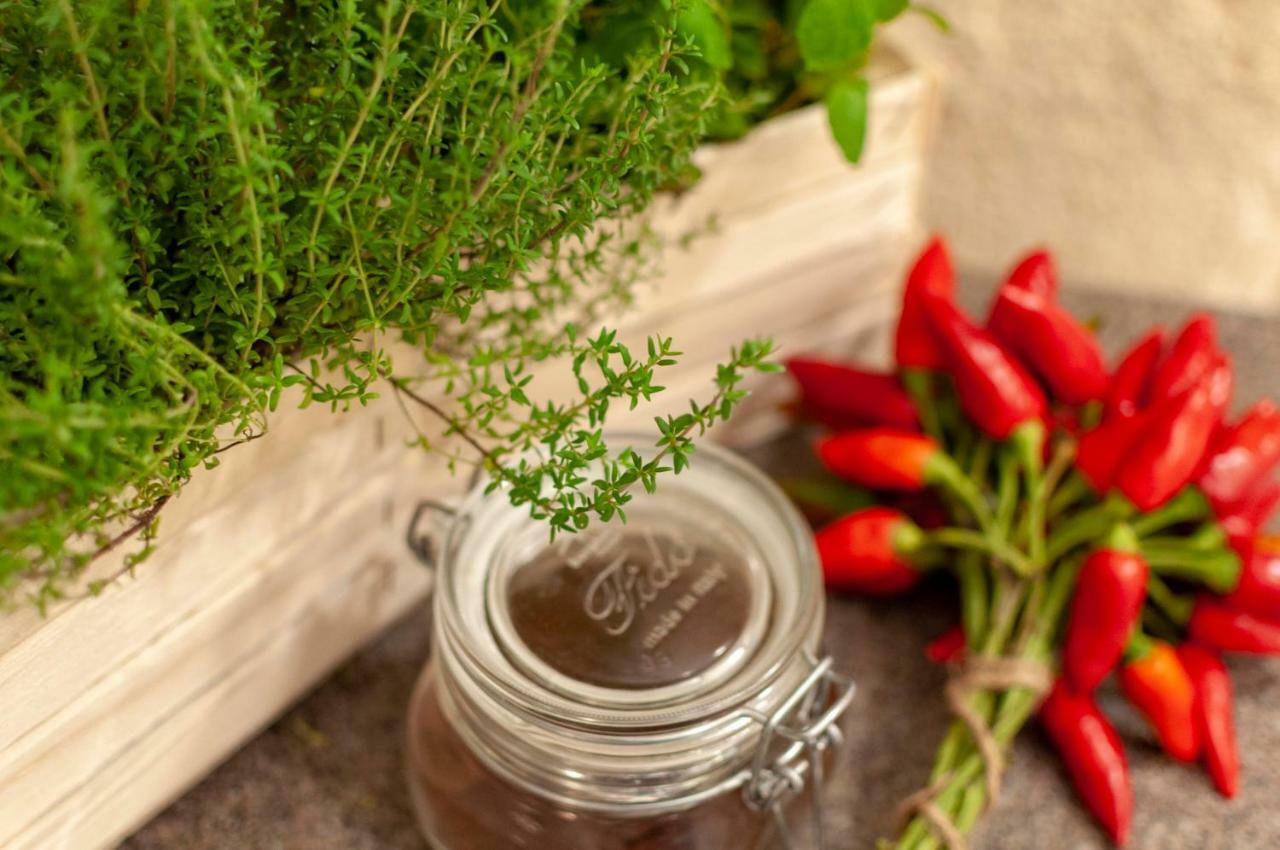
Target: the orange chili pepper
(1155, 681)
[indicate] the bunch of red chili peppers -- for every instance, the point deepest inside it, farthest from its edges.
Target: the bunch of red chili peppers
(1095, 519)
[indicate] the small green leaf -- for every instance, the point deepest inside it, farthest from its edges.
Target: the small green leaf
(833, 33)
(887, 10)
(939, 20)
(700, 22)
(847, 113)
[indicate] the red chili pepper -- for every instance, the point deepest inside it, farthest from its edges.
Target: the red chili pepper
(886, 459)
(1035, 273)
(1093, 755)
(995, 389)
(869, 551)
(843, 396)
(946, 647)
(1258, 591)
(1242, 455)
(1244, 519)
(1102, 450)
(1156, 683)
(1110, 589)
(1217, 625)
(1059, 349)
(1127, 394)
(931, 277)
(1189, 358)
(1166, 453)
(1214, 715)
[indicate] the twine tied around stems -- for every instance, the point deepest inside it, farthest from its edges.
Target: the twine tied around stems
(976, 673)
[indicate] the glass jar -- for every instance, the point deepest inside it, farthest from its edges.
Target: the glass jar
(653, 684)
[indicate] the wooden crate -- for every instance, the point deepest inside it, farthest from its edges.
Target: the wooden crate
(277, 565)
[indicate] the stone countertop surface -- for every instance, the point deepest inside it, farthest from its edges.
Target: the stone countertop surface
(329, 774)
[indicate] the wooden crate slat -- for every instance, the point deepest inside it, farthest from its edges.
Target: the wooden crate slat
(203, 560)
(795, 153)
(181, 748)
(70, 746)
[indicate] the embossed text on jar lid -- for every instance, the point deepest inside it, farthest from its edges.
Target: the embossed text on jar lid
(662, 605)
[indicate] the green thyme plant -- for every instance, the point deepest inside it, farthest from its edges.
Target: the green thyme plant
(205, 202)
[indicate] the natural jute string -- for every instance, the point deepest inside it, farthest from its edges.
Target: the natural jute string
(977, 674)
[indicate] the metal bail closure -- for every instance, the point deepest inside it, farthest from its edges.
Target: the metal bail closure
(804, 726)
(429, 523)
(426, 527)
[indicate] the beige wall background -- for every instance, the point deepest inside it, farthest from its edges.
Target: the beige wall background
(1140, 140)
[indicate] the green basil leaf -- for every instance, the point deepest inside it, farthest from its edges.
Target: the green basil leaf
(833, 33)
(847, 113)
(887, 10)
(700, 22)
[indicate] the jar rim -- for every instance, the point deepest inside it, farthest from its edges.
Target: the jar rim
(668, 751)
(803, 605)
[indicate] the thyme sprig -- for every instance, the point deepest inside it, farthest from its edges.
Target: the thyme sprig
(204, 203)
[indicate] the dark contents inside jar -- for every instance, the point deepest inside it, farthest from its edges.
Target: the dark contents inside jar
(630, 607)
(463, 805)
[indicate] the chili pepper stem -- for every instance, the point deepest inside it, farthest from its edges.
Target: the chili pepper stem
(1035, 595)
(1028, 443)
(919, 385)
(973, 597)
(1071, 492)
(1207, 538)
(1036, 519)
(980, 459)
(1087, 525)
(1006, 491)
(1158, 624)
(1189, 504)
(1006, 602)
(949, 475)
(964, 538)
(971, 806)
(1041, 490)
(1218, 570)
(966, 440)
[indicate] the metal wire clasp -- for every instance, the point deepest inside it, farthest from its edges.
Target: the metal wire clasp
(431, 519)
(793, 742)
(421, 538)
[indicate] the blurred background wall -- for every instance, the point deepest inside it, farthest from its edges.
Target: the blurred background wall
(1140, 140)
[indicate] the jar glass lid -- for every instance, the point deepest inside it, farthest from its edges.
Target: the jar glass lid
(688, 608)
(671, 603)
